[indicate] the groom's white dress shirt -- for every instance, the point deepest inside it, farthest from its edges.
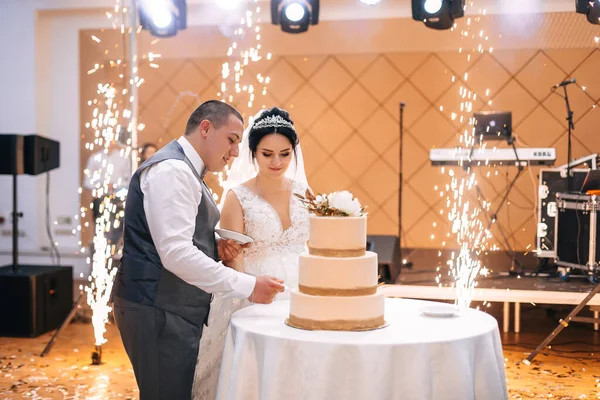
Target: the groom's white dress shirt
(172, 194)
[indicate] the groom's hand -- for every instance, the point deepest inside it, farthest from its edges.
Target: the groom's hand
(265, 289)
(228, 249)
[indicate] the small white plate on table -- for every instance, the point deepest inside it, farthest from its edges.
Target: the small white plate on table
(440, 310)
(235, 236)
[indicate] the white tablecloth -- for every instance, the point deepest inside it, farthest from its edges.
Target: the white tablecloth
(414, 357)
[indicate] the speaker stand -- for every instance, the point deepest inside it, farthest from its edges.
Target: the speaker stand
(15, 230)
(66, 322)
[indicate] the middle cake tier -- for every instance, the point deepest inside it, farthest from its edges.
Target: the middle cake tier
(338, 276)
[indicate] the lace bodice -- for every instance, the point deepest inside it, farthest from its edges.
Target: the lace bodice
(274, 253)
(262, 223)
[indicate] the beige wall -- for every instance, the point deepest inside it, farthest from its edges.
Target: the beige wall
(346, 109)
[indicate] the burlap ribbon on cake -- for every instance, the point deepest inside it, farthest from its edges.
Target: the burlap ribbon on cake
(337, 292)
(337, 325)
(343, 253)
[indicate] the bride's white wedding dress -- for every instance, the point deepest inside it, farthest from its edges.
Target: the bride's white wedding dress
(274, 252)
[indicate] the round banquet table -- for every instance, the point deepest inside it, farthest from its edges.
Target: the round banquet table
(415, 357)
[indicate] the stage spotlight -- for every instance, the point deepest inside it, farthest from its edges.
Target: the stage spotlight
(591, 8)
(163, 18)
(432, 6)
(294, 16)
(438, 14)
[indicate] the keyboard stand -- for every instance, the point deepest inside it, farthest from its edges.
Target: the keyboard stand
(494, 216)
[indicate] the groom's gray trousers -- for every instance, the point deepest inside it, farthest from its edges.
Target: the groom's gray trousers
(162, 347)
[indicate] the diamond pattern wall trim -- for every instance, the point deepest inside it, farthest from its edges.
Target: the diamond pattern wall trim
(346, 110)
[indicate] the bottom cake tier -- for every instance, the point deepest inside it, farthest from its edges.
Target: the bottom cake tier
(336, 313)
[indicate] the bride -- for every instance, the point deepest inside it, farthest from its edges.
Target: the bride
(258, 201)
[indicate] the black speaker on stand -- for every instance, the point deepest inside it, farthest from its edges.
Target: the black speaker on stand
(34, 299)
(389, 258)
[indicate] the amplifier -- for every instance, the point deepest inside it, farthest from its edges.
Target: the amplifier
(35, 299)
(552, 181)
(576, 228)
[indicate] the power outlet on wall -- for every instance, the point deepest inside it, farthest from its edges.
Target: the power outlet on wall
(64, 220)
(8, 233)
(64, 232)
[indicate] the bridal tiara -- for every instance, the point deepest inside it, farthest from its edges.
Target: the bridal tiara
(273, 121)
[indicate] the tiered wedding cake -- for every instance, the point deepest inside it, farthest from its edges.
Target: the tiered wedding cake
(338, 278)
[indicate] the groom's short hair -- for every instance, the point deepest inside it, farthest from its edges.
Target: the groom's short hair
(216, 111)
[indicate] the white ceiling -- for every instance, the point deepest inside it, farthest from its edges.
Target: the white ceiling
(208, 12)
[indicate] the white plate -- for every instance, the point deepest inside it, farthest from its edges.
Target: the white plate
(440, 310)
(235, 236)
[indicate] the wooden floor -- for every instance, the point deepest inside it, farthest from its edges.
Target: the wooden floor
(66, 372)
(569, 370)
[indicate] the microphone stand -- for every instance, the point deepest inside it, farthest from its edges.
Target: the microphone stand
(407, 264)
(571, 128)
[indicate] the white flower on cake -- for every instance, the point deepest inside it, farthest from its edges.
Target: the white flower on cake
(321, 200)
(336, 204)
(343, 201)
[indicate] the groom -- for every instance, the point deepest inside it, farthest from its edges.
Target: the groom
(169, 268)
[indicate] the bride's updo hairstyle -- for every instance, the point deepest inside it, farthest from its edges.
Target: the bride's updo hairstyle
(272, 120)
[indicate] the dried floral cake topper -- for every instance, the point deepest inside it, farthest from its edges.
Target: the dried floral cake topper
(336, 204)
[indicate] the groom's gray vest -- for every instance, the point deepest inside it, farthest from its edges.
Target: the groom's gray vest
(141, 277)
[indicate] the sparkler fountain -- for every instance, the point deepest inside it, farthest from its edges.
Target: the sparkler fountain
(464, 214)
(114, 114)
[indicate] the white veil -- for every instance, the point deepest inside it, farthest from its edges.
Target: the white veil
(243, 168)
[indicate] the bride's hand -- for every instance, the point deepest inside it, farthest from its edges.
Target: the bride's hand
(228, 249)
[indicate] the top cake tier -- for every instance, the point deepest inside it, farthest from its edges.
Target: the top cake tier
(337, 236)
